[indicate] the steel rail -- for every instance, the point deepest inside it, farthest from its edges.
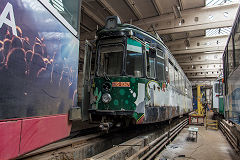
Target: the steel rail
(230, 137)
(155, 146)
(229, 134)
(165, 143)
(62, 144)
(168, 139)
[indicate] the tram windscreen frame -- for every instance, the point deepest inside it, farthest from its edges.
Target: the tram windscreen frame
(110, 60)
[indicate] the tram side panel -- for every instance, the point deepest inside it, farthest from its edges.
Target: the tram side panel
(38, 77)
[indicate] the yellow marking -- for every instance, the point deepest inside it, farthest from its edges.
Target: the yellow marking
(140, 117)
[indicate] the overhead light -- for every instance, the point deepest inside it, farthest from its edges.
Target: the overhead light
(180, 23)
(187, 43)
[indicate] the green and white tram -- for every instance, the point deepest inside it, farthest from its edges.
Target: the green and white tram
(136, 78)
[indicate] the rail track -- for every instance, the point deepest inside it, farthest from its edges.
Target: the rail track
(49, 150)
(144, 147)
(229, 135)
(153, 148)
(85, 146)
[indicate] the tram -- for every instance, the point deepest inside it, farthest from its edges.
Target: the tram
(136, 78)
(217, 96)
(39, 48)
(231, 68)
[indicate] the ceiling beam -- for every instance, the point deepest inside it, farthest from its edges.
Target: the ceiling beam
(109, 8)
(134, 8)
(211, 66)
(194, 19)
(85, 28)
(199, 57)
(205, 82)
(93, 15)
(202, 45)
(158, 6)
(200, 63)
(193, 27)
(203, 70)
(200, 50)
(203, 77)
(206, 45)
(197, 43)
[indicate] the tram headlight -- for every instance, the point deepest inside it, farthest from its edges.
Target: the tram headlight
(107, 86)
(106, 98)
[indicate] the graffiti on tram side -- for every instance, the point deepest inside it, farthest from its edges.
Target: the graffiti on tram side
(38, 61)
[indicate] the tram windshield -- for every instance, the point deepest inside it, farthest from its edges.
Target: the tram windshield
(110, 60)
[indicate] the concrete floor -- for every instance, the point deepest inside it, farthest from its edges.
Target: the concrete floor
(210, 145)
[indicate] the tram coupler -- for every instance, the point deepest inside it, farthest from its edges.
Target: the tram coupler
(105, 126)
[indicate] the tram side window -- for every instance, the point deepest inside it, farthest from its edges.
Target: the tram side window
(166, 66)
(225, 71)
(183, 83)
(150, 63)
(220, 88)
(160, 67)
(180, 81)
(171, 72)
(237, 45)
(230, 56)
(134, 60)
(188, 89)
(176, 77)
(216, 86)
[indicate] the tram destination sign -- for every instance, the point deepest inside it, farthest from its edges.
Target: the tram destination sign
(120, 84)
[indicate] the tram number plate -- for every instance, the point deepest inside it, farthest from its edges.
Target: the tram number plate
(120, 84)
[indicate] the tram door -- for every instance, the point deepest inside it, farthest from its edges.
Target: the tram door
(86, 80)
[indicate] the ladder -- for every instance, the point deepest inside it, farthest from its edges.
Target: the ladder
(211, 124)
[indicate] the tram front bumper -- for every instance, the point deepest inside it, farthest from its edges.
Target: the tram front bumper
(111, 112)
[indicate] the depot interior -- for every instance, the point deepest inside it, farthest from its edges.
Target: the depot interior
(200, 36)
